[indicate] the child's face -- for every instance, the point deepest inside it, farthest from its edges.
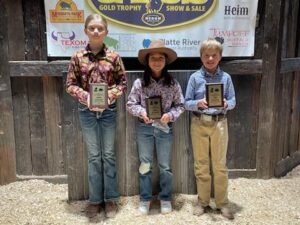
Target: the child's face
(96, 31)
(157, 62)
(210, 59)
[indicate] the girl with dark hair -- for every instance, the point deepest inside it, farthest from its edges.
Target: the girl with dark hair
(157, 101)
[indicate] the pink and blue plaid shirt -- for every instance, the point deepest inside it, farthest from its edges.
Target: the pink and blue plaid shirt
(172, 98)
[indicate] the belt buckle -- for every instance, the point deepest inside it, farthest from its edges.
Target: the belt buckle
(207, 118)
(220, 117)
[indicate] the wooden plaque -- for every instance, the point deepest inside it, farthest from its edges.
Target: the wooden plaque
(214, 94)
(98, 95)
(154, 107)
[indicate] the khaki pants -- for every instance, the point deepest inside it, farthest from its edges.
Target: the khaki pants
(210, 139)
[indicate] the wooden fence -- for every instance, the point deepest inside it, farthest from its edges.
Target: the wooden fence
(39, 132)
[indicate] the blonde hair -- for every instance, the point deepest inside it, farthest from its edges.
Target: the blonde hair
(211, 43)
(97, 17)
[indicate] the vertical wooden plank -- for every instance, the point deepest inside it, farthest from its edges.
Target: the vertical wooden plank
(287, 97)
(7, 141)
(74, 146)
(35, 27)
(182, 152)
(241, 147)
(294, 143)
(259, 31)
(16, 39)
(19, 89)
(280, 136)
(21, 126)
(132, 159)
(52, 94)
(293, 28)
(254, 120)
(37, 126)
(35, 49)
(295, 96)
(120, 145)
(266, 146)
(284, 97)
(287, 115)
(288, 50)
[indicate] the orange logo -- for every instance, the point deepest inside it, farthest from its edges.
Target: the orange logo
(66, 12)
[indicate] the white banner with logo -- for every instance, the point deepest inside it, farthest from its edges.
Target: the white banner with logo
(133, 24)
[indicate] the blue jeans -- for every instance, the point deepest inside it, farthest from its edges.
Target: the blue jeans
(148, 138)
(99, 134)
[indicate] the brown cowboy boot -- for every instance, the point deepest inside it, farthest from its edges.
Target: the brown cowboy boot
(111, 209)
(92, 209)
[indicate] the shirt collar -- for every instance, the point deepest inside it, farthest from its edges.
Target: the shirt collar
(206, 73)
(100, 54)
(156, 81)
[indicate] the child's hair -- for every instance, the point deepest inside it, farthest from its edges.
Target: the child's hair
(95, 16)
(211, 43)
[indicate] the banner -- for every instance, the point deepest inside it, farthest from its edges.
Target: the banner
(133, 24)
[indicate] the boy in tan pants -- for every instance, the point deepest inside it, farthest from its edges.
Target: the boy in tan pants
(209, 130)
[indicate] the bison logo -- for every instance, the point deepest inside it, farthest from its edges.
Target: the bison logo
(65, 5)
(153, 17)
(154, 6)
(63, 35)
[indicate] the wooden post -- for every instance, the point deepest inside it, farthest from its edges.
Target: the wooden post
(7, 141)
(266, 143)
(19, 89)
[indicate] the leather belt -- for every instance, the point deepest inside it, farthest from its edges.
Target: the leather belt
(142, 121)
(113, 105)
(208, 117)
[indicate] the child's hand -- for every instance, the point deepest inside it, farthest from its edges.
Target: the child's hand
(225, 103)
(146, 118)
(165, 118)
(202, 103)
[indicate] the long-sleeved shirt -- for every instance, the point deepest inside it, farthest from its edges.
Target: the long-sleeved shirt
(105, 67)
(171, 97)
(196, 90)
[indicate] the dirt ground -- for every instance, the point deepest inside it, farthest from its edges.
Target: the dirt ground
(254, 201)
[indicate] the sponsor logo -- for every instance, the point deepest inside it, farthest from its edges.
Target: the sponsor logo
(67, 39)
(237, 10)
(154, 14)
(111, 42)
(175, 43)
(232, 38)
(63, 35)
(66, 12)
